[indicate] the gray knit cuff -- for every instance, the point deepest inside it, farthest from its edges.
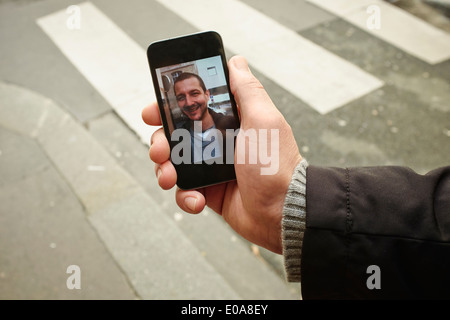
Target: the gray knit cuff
(293, 223)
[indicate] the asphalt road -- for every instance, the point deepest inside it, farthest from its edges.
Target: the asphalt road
(130, 240)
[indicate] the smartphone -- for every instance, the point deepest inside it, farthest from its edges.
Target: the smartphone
(198, 111)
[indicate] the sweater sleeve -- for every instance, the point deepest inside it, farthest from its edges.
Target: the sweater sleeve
(293, 222)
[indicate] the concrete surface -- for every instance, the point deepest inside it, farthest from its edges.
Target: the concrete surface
(77, 187)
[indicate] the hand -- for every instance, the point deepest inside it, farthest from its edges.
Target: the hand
(253, 204)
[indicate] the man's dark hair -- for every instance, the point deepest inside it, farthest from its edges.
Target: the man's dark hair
(187, 75)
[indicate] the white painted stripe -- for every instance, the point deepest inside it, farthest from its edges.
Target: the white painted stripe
(397, 27)
(109, 59)
(316, 76)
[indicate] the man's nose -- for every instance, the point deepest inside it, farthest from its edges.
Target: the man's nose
(189, 100)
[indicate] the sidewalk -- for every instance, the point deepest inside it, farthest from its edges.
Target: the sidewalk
(72, 195)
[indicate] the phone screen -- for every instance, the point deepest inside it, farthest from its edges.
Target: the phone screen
(197, 109)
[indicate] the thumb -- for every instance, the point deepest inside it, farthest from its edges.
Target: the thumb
(248, 92)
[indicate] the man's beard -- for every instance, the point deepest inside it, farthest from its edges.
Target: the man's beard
(192, 109)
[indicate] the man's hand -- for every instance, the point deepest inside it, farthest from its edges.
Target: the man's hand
(253, 204)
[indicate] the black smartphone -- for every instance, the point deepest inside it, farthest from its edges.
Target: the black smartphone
(198, 111)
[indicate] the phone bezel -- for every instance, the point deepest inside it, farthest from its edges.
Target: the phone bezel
(184, 49)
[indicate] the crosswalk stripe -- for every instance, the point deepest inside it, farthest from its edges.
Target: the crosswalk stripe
(316, 76)
(396, 27)
(109, 59)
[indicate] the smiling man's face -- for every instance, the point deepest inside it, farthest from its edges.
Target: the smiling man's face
(191, 98)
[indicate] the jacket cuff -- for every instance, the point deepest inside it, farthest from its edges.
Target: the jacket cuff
(293, 223)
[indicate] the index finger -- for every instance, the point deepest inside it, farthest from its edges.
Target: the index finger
(150, 115)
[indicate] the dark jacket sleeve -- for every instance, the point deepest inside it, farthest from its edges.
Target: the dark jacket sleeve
(388, 217)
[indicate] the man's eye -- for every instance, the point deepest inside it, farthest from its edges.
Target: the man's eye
(194, 94)
(181, 98)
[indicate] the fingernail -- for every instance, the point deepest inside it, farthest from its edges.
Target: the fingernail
(190, 203)
(158, 173)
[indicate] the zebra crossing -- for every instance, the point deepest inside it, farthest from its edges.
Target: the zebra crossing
(395, 26)
(294, 60)
(116, 65)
